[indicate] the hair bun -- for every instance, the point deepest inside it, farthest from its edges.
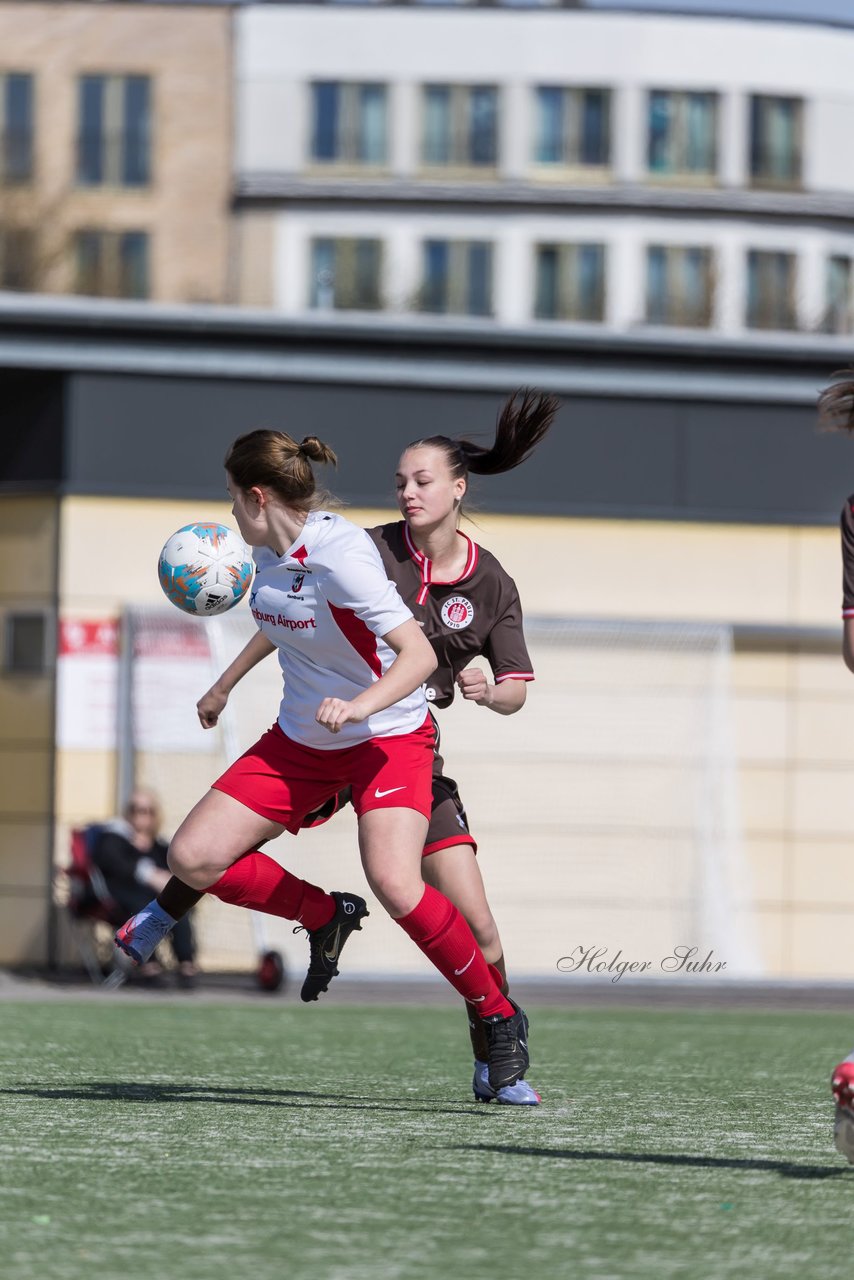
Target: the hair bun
(316, 450)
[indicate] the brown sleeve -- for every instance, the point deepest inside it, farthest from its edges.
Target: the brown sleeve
(505, 649)
(847, 527)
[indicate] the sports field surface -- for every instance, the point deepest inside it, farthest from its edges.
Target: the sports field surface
(197, 1141)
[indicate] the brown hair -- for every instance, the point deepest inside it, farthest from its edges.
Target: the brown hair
(522, 422)
(274, 460)
(836, 403)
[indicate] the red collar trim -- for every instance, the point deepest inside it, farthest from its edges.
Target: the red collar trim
(426, 566)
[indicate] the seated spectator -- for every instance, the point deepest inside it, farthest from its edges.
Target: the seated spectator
(131, 855)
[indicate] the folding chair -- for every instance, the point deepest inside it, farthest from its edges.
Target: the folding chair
(89, 902)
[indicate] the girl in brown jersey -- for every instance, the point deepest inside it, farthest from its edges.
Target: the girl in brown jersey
(469, 607)
(836, 412)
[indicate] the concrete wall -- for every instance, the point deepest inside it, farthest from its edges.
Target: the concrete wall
(28, 551)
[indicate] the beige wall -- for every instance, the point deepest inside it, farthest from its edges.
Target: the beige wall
(255, 257)
(186, 51)
(28, 585)
(791, 714)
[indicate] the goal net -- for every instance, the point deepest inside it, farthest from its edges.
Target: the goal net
(606, 813)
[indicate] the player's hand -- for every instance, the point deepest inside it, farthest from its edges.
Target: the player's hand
(334, 713)
(474, 686)
(210, 707)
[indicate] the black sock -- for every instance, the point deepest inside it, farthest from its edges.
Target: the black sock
(177, 898)
(476, 1031)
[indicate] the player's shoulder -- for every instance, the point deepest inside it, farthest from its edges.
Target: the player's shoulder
(493, 570)
(847, 514)
(334, 537)
(264, 557)
(389, 539)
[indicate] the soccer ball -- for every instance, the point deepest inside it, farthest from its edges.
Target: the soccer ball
(205, 569)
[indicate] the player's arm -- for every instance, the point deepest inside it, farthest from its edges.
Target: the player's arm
(848, 643)
(415, 661)
(211, 704)
(505, 698)
(507, 654)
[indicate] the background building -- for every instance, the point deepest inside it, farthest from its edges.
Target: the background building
(624, 168)
(115, 144)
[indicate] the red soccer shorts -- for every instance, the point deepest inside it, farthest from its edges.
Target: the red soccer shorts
(284, 781)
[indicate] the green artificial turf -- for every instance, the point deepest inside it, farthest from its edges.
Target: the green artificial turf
(188, 1141)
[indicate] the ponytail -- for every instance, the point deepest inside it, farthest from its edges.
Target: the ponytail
(523, 421)
(273, 459)
(521, 425)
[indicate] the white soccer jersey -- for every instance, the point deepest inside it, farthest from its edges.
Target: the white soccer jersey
(325, 604)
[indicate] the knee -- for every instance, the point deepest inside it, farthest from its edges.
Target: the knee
(485, 930)
(398, 893)
(192, 861)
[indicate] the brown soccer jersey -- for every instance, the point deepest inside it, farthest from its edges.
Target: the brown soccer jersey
(479, 613)
(847, 526)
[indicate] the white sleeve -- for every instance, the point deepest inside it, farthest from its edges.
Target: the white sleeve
(356, 580)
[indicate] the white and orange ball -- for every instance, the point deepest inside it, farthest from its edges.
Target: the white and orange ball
(205, 569)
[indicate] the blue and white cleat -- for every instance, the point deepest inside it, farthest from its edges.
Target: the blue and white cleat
(519, 1094)
(142, 934)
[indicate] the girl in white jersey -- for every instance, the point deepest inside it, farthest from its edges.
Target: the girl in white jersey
(353, 714)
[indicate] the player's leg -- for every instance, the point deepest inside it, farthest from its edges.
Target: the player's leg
(454, 871)
(177, 898)
(267, 790)
(390, 841)
(210, 838)
(450, 865)
(204, 856)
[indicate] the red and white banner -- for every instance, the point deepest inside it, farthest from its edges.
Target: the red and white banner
(170, 670)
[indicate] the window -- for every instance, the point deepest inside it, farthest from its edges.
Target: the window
(26, 643)
(114, 137)
(17, 258)
(112, 264)
(460, 126)
(572, 127)
(16, 128)
(348, 123)
(457, 277)
(770, 290)
(570, 282)
(837, 315)
(775, 140)
(679, 285)
(345, 275)
(682, 133)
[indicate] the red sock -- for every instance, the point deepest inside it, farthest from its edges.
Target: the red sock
(258, 882)
(437, 927)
